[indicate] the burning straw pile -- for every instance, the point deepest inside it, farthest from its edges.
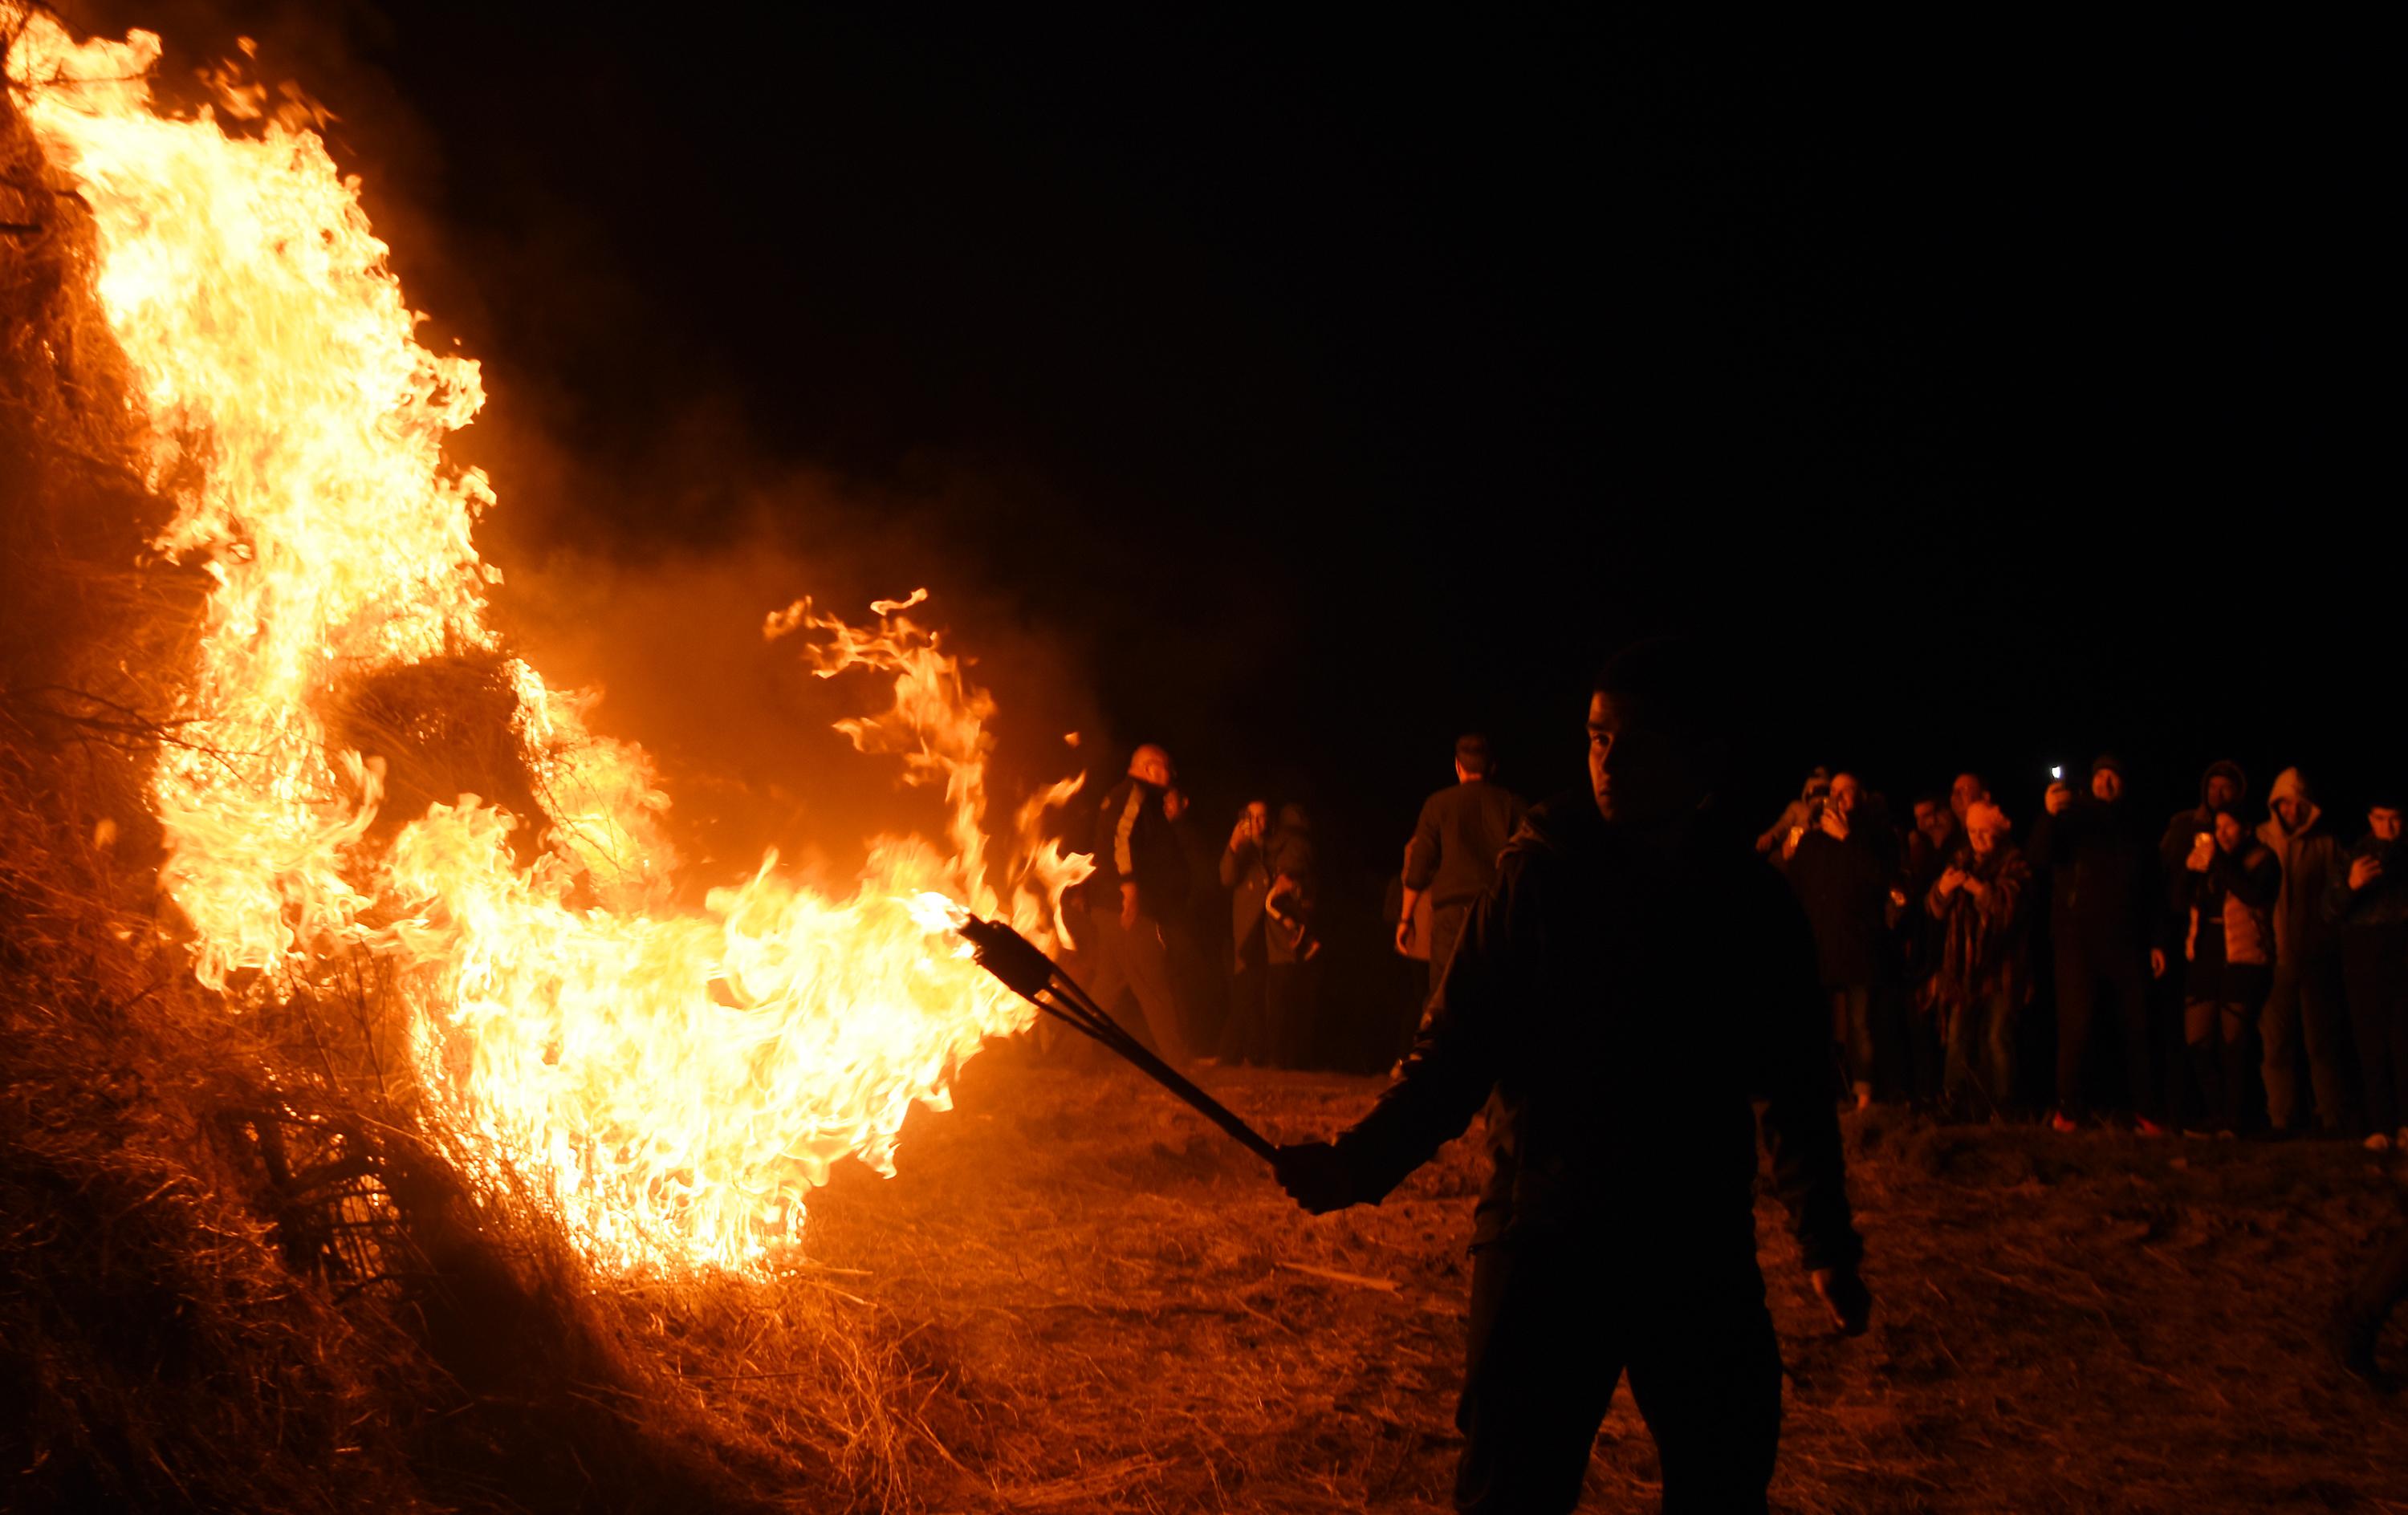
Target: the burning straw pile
(243, 1264)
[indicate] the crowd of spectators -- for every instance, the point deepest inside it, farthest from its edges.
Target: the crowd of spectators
(2186, 976)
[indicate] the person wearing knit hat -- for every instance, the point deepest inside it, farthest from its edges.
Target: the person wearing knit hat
(2109, 925)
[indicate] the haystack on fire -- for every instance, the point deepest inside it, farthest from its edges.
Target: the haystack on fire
(673, 1083)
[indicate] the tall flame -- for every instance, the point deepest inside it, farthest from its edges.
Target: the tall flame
(674, 1082)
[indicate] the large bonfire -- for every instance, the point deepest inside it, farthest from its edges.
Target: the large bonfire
(672, 1081)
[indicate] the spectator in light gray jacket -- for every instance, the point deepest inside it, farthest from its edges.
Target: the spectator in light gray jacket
(2305, 1003)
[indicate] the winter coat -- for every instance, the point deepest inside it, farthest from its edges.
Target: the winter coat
(2311, 858)
(1625, 1008)
(2232, 905)
(1844, 887)
(2383, 904)
(1246, 874)
(1982, 936)
(2104, 898)
(1133, 843)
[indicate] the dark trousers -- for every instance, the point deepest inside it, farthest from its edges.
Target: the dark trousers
(2091, 983)
(1293, 993)
(1246, 1035)
(1852, 1027)
(1550, 1337)
(1981, 1041)
(1446, 928)
(2303, 1011)
(2374, 972)
(1136, 959)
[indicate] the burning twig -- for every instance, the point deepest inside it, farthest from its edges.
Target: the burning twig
(1025, 970)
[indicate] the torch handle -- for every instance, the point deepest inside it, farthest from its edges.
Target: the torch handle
(1211, 1109)
(1026, 971)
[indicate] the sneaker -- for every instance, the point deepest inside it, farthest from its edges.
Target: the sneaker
(2378, 1143)
(2143, 1125)
(2063, 1123)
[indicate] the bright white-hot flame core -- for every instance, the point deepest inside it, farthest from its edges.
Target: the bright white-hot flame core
(674, 1081)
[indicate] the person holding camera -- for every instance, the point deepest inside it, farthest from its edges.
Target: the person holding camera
(2231, 881)
(1246, 874)
(2107, 925)
(1978, 900)
(2369, 905)
(1843, 878)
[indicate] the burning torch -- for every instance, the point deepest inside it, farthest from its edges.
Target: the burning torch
(1025, 970)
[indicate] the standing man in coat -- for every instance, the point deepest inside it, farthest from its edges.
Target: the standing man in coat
(1453, 855)
(1844, 877)
(2107, 923)
(2304, 1007)
(1140, 881)
(1631, 981)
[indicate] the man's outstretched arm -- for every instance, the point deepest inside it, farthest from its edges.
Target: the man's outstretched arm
(1443, 1081)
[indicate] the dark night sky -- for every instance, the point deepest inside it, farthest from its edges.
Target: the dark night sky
(1329, 385)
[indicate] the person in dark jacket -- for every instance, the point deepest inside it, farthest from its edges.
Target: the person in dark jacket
(2303, 1008)
(1140, 881)
(1980, 985)
(1634, 977)
(1197, 933)
(1453, 855)
(2368, 905)
(1246, 874)
(1938, 835)
(1292, 984)
(2107, 927)
(1843, 879)
(2231, 881)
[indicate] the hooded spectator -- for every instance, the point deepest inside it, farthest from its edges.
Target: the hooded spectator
(2107, 923)
(2369, 905)
(1981, 984)
(2222, 787)
(1799, 815)
(1843, 879)
(2230, 881)
(2305, 1002)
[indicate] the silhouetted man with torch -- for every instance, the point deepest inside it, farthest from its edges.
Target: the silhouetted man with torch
(1634, 979)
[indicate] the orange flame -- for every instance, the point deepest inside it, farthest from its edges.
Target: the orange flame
(675, 1082)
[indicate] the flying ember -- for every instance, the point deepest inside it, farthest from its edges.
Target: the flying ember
(674, 1081)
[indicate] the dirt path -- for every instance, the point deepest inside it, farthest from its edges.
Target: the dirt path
(1103, 1304)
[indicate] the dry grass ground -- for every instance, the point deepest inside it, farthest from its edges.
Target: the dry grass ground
(1091, 1300)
